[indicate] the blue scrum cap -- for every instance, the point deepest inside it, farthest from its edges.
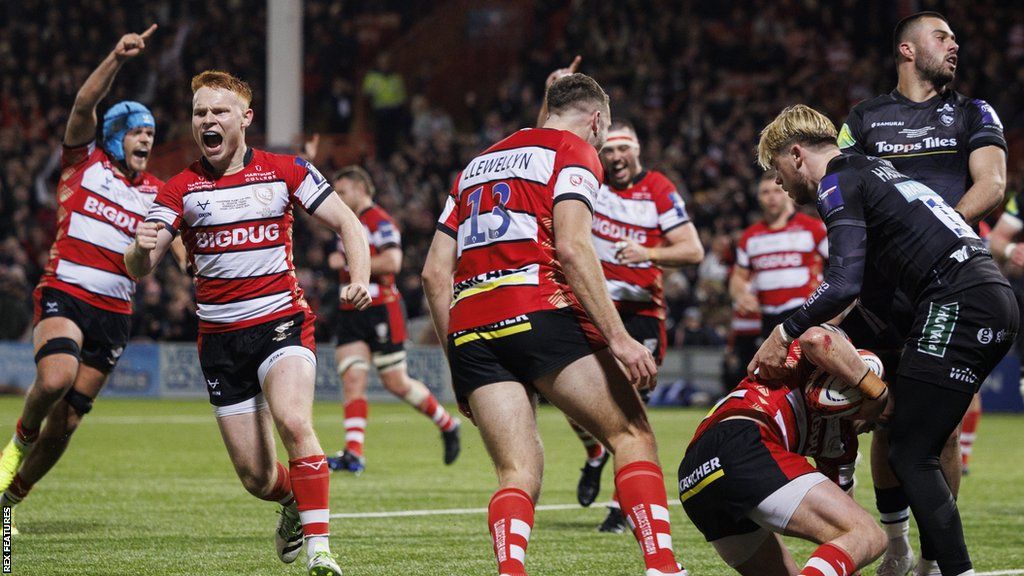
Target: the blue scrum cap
(119, 119)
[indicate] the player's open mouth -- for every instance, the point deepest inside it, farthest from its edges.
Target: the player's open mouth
(212, 139)
(952, 61)
(141, 154)
(620, 171)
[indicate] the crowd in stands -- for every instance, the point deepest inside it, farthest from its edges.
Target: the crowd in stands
(698, 79)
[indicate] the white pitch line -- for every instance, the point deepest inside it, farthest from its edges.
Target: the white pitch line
(1000, 573)
(458, 511)
(135, 420)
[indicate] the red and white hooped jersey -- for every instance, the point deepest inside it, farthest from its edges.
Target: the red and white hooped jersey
(500, 213)
(97, 215)
(785, 264)
(382, 234)
(782, 410)
(644, 212)
(237, 230)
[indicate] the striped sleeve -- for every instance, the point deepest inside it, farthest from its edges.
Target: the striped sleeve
(307, 185)
(167, 207)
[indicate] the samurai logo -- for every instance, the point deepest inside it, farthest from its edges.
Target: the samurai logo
(282, 330)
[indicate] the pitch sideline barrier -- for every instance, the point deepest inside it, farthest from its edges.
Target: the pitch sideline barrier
(171, 370)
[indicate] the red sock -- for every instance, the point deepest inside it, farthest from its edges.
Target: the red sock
(829, 559)
(26, 435)
(311, 484)
(594, 448)
(18, 489)
(640, 487)
(968, 432)
(437, 413)
(510, 520)
(356, 412)
(282, 489)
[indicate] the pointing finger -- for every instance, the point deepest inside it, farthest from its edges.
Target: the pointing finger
(149, 32)
(575, 64)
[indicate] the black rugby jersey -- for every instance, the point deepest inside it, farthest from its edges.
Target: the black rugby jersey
(882, 222)
(929, 141)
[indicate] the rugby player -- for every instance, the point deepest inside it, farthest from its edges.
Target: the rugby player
(377, 333)
(83, 300)
(515, 288)
(233, 209)
(745, 474)
(954, 145)
(887, 229)
(640, 225)
(779, 260)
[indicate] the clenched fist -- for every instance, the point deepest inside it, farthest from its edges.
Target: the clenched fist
(357, 295)
(147, 234)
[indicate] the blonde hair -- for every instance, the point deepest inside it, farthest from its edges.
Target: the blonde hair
(225, 81)
(795, 124)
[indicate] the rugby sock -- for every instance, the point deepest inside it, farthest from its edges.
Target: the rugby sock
(24, 437)
(829, 560)
(356, 412)
(311, 484)
(968, 432)
(281, 491)
(16, 492)
(510, 521)
(595, 451)
(425, 402)
(640, 487)
(894, 512)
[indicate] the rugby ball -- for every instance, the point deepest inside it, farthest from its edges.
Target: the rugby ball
(829, 396)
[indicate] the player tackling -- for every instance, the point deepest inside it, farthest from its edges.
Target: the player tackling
(885, 229)
(234, 210)
(515, 288)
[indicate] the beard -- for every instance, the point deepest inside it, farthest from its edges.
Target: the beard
(936, 72)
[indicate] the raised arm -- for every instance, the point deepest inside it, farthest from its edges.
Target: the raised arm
(334, 214)
(81, 128)
(542, 116)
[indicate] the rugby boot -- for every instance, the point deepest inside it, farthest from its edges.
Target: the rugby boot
(323, 563)
(614, 523)
(10, 461)
(288, 538)
(452, 443)
(896, 564)
(590, 481)
(347, 461)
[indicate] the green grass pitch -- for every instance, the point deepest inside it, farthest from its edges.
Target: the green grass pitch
(146, 488)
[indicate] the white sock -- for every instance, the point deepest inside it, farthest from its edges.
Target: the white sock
(897, 528)
(315, 544)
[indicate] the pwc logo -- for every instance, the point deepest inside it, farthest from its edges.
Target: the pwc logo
(113, 214)
(241, 236)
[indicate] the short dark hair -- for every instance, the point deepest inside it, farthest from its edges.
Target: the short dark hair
(357, 174)
(575, 90)
(903, 27)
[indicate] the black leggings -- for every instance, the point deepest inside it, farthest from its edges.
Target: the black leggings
(924, 417)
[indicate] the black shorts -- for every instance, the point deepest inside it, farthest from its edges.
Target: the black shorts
(105, 333)
(382, 327)
(649, 331)
(958, 338)
(235, 362)
(728, 471)
(520, 349)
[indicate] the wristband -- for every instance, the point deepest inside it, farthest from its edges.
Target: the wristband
(785, 337)
(1009, 250)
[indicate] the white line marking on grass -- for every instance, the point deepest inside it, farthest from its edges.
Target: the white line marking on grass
(1000, 573)
(460, 511)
